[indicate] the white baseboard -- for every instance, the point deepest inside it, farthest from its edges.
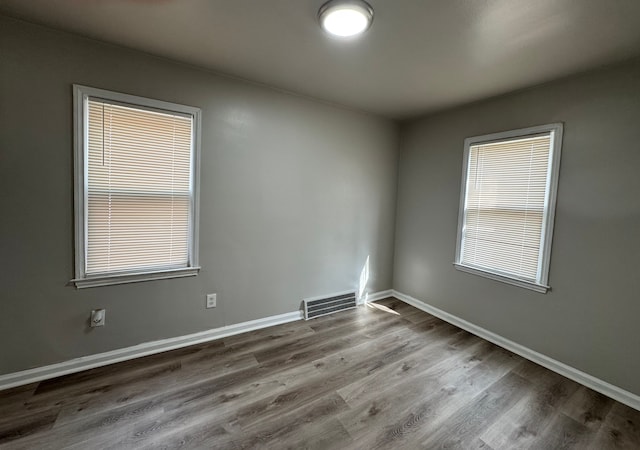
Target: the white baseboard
(148, 348)
(375, 296)
(616, 393)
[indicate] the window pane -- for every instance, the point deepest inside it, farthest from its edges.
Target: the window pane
(137, 232)
(506, 193)
(138, 189)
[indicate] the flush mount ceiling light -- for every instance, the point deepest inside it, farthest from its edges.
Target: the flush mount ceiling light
(345, 18)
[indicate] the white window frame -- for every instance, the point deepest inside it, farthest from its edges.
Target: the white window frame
(81, 95)
(541, 283)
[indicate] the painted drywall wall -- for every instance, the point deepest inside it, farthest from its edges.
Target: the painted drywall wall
(589, 320)
(295, 196)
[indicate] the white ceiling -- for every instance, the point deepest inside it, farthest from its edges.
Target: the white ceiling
(419, 55)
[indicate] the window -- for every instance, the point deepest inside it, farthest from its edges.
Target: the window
(507, 205)
(136, 202)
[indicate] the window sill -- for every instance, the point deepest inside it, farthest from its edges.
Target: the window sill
(109, 280)
(504, 279)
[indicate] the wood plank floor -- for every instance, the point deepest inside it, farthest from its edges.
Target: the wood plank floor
(384, 375)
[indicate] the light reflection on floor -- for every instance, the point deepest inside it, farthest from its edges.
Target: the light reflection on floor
(382, 308)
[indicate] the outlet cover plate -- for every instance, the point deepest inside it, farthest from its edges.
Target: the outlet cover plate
(97, 317)
(212, 300)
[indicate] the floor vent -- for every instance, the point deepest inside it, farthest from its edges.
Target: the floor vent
(322, 306)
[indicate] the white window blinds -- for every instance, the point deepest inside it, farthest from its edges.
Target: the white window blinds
(506, 205)
(138, 188)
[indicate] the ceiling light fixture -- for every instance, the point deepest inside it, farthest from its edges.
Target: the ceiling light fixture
(345, 18)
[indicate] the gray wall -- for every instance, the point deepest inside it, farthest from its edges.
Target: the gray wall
(589, 320)
(295, 195)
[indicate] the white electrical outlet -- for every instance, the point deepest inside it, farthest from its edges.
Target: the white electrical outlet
(97, 317)
(211, 300)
